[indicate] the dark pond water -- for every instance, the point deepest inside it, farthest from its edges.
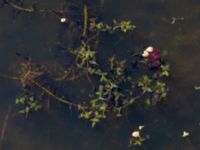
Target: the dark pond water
(59, 129)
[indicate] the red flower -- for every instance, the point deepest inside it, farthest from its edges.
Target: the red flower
(154, 56)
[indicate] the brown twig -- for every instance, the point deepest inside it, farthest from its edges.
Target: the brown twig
(5, 124)
(85, 14)
(29, 10)
(48, 92)
(9, 77)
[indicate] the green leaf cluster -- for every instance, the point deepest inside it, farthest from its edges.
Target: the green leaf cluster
(84, 55)
(165, 70)
(27, 104)
(123, 26)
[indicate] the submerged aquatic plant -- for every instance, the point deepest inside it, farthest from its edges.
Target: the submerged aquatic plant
(115, 87)
(123, 26)
(27, 104)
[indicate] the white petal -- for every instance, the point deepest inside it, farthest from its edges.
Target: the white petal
(149, 49)
(62, 20)
(135, 134)
(145, 54)
(141, 127)
(185, 134)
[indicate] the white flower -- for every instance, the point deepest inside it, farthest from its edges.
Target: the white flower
(149, 49)
(145, 54)
(62, 20)
(136, 134)
(141, 127)
(185, 134)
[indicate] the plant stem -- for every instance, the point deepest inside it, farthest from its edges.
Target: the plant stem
(85, 14)
(47, 91)
(5, 124)
(30, 9)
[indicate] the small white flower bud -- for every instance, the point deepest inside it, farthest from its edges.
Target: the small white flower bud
(62, 20)
(145, 54)
(149, 49)
(136, 134)
(185, 134)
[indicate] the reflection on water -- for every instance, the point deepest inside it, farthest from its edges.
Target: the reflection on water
(36, 35)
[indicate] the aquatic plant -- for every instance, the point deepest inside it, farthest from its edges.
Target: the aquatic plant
(175, 19)
(139, 80)
(137, 138)
(116, 87)
(18, 7)
(28, 104)
(123, 26)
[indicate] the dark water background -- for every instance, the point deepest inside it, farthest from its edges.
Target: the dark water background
(60, 129)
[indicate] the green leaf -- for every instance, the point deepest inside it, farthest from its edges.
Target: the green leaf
(197, 87)
(103, 107)
(94, 121)
(132, 100)
(165, 70)
(148, 102)
(20, 100)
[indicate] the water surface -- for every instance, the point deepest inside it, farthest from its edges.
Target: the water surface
(59, 129)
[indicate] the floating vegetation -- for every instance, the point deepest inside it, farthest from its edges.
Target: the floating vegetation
(137, 138)
(30, 104)
(17, 6)
(123, 26)
(175, 19)
(117, 86)
(116, 89)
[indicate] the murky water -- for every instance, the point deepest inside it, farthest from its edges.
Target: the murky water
(59, 129)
